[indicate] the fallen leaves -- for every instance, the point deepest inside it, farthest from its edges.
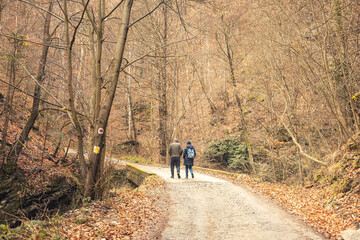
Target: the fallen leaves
(129, 215)
(321, 209)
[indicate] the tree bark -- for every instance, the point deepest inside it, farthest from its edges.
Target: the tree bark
(163, 113)
(93, 178)
(131, 119)
(9, 100)
(73, 113)
(96, 70)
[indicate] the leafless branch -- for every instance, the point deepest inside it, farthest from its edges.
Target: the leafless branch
(149, 13)
(78, 25)
(116, 7)
(28, 94)
(37, 43)
(42, 9)
(37, 82)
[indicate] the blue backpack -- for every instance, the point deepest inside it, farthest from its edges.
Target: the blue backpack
(190, 153)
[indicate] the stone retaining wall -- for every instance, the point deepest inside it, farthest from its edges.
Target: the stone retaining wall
(136, 174)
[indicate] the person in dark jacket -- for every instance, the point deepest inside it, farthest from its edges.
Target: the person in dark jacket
(175, 152)
(189, 155)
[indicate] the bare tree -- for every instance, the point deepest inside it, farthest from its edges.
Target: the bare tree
(225, 40)
(9, 97)
(131, 119)
(19, 144)
(162, 87)
(94, 174)
(73, 112)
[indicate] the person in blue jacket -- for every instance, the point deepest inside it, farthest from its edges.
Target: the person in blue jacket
(189, 154)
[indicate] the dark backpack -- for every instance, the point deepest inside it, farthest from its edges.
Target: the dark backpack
(190, 153)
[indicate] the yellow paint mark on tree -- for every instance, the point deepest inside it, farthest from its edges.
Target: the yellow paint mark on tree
(96, 149)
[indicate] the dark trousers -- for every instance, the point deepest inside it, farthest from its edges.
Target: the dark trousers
(175, 161)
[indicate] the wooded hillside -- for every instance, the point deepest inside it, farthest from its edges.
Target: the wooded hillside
(265, 87)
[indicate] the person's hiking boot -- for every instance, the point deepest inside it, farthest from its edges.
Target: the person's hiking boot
(172, 176)
(192, 175)
(179, 175)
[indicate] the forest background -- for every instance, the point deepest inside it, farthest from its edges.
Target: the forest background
(269, 88)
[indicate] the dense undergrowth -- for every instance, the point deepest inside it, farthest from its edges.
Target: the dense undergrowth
(229, 153)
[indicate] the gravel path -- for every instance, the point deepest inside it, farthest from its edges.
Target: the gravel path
(210, 208)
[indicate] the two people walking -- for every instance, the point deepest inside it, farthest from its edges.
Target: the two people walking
(175, 152)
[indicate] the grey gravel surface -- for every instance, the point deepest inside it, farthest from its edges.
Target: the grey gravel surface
(210, 208)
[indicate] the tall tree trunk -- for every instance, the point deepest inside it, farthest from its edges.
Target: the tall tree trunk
(162, 92)
(18, 145)
(45, 139)
(134, 128)
(96, 70)
(93, 178)
(336, 86)
(73, 113)
(344, 68)
(174, 123)
(131, 119)
(230, 59)
(129, 107)
(208, 98)
(8, 104)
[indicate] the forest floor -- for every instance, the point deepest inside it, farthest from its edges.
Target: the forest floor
(222, 206)
(125, 213)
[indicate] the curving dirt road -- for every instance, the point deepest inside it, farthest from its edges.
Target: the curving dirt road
(210, 208)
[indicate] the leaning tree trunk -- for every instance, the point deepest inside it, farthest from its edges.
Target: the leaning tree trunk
(93, 178)
(18, 146)
(8, 103)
